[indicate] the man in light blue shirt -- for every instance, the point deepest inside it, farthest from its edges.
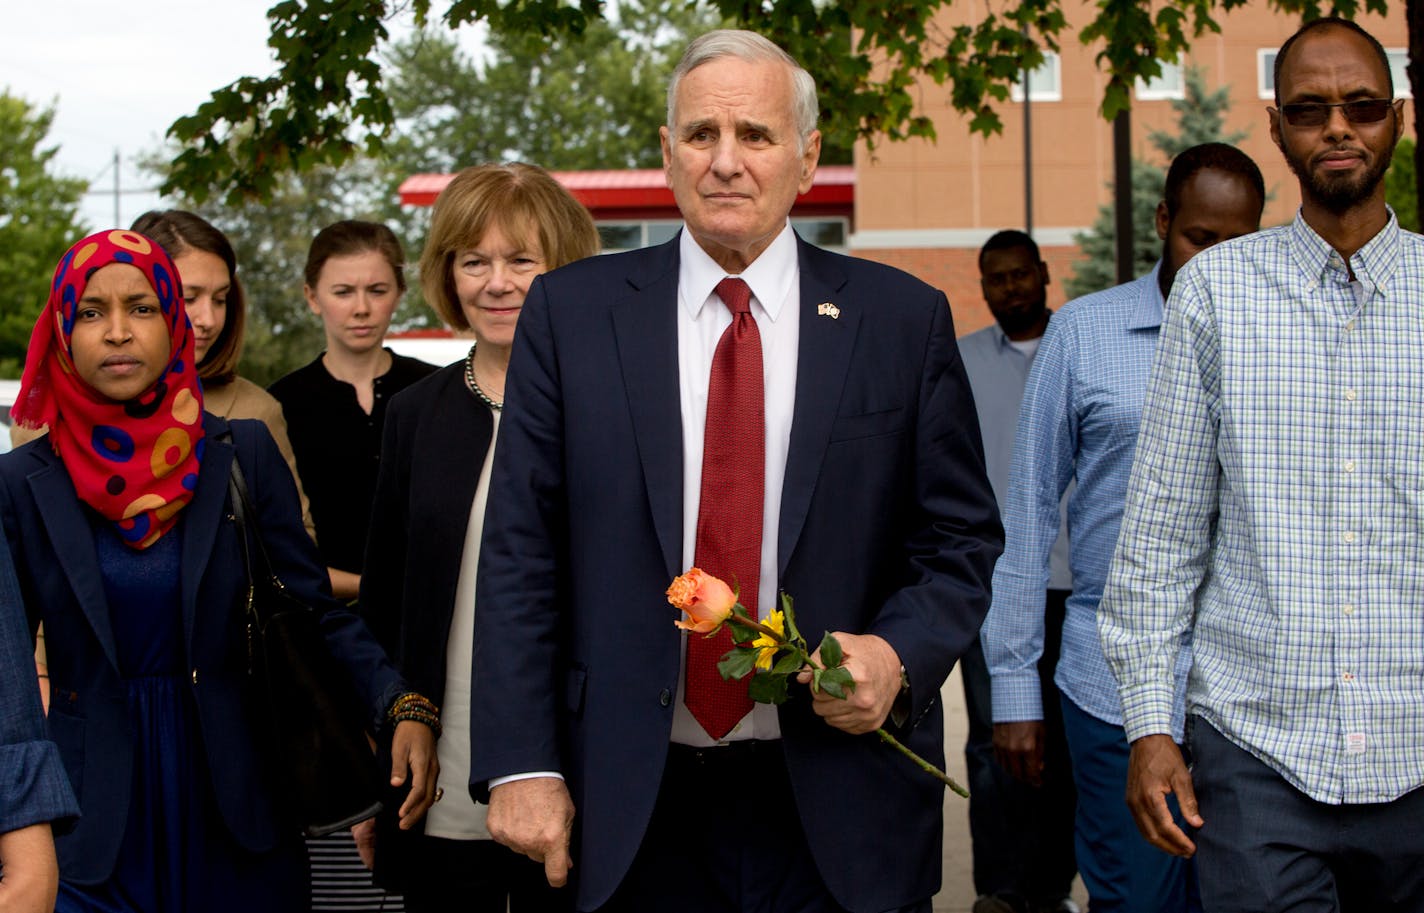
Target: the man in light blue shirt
(1022, 831)
(1079, 422)
(1275, 516)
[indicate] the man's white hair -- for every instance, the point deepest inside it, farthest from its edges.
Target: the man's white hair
(753, 48)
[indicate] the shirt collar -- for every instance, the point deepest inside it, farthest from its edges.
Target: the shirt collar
(1147, 315)
(769, 276)
(1374, 263)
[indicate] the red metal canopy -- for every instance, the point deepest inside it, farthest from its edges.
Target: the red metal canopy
(643, 193)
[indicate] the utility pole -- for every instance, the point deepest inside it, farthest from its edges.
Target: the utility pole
(1028, 155)
(117, 221)
(1122, 193)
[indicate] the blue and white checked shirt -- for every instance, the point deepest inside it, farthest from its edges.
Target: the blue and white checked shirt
(1079, 419)
(1277, 510)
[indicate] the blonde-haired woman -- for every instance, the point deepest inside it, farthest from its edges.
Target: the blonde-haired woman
(494, 229)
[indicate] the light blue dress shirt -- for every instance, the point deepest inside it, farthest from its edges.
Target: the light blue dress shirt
(998, 372)
(1277, 511)
(1078, 421)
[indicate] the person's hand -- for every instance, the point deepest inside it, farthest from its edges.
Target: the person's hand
(1155, 769)
(1018, 746)
(535, 817)
(875, 667)
(364, 833)
(31, 874)
(413, 755)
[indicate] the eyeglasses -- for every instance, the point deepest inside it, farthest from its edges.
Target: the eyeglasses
(1315, 113)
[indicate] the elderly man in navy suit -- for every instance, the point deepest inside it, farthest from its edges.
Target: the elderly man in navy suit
(776, 414)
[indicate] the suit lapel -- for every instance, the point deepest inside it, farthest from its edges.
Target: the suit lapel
(823, 361)
(645, 327)
(204, 515)
(73, 541)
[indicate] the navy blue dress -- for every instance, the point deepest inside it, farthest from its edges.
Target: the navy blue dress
(177, 854)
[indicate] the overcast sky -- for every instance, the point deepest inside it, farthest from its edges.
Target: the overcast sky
(118, 78)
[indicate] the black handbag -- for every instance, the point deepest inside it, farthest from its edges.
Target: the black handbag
(310, 726)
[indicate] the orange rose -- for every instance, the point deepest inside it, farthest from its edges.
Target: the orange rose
(706, 599)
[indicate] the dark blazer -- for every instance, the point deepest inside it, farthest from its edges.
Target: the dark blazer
(887, 526)
(435, 441)
(53, 548)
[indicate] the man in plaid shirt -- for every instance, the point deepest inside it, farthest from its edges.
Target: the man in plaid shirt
(1275, 512)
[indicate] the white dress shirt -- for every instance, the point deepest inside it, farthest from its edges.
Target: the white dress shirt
(774, 278)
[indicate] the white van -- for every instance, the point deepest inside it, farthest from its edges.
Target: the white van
(9, 391)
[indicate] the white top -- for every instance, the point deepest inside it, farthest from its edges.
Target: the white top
(456, 816)
(774, 278)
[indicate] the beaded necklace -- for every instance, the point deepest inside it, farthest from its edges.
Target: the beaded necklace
(474, 387)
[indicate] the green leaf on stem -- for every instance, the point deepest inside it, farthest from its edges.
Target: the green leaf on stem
(831, 653)
(767, 688)
(836, 682)
(737, 663)
(788, 610)
(789, 662)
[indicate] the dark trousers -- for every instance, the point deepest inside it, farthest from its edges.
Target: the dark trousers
(478, 876)
(1122, 871)
(1266, 847)
(700, 855)
(1022, 836)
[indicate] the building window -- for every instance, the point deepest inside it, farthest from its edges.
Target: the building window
(829, 232)
(618, 236)
(1266, 64)
(1043, 83)
(1165, 85)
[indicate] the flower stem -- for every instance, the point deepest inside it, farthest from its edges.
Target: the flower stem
(924, 765)
(746, 621)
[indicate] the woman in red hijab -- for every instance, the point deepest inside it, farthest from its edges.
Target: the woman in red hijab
(119, 525)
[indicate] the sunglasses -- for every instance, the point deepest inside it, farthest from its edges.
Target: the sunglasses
(1315, 114)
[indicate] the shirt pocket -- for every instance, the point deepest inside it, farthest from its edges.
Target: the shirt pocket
(1404, 445)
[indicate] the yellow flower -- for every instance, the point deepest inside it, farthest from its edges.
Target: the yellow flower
(707, 600)
(765, 644)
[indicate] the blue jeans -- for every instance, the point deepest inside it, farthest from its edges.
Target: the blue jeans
(1266, 847)
(1122, 871)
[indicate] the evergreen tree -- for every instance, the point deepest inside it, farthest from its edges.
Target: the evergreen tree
(1400, 186)
(1201, 116)
(39, 220)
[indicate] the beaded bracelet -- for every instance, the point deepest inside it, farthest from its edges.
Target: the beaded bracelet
(417, 708)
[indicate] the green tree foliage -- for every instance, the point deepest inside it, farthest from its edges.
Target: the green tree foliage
(1201, 114)
(591, 100)
(271, 241)
(328, 99)
(39, 220)
(1400, 185)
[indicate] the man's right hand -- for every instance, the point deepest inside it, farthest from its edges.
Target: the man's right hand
(1019, 748)
(535, 817)
(1155, 769)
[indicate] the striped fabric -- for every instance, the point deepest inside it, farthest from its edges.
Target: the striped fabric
(340, 882)
(1276, 509)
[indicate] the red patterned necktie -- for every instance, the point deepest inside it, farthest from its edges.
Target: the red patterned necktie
(730, 508)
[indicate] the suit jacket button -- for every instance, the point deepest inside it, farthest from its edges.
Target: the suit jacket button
(665, 698)
(195, 676)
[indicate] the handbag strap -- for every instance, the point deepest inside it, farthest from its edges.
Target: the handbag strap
(241, 512)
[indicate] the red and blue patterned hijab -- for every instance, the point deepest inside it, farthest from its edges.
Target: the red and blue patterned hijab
(135, 462)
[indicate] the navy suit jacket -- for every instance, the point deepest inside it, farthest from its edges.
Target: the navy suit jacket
(52, 543)
(887, 526)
